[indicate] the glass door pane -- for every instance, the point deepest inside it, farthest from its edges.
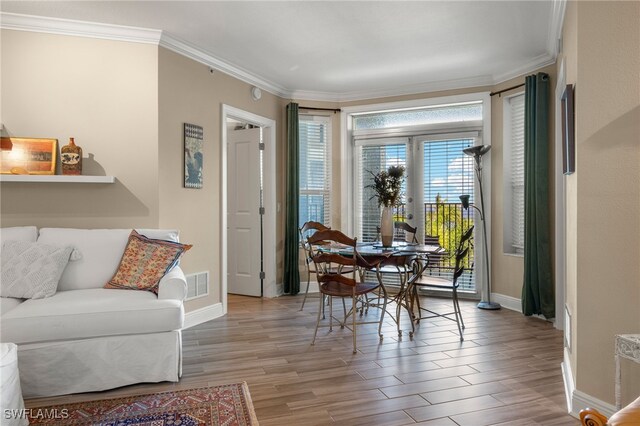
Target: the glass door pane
(447, 173)
(372, 157)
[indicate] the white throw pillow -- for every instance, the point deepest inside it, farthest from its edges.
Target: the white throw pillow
(31, 270)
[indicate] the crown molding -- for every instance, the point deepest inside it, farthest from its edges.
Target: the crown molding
(535, 64)
(69, 27)
(427, 87)
(42, 24)
(555, 26)
(190, 51)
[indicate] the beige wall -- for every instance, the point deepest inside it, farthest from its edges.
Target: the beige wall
(569, 57)
(608, 189)
(103, 93)
(189, 93)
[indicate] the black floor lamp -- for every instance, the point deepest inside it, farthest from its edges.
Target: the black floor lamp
(477, 152)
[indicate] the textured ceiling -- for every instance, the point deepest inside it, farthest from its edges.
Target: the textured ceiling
(344, 50)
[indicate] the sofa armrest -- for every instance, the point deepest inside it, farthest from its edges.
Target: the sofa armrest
(173, 285)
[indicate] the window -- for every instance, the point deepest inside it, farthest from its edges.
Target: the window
(427, 136)
(514, 174)
(375, 156)
(315, 170)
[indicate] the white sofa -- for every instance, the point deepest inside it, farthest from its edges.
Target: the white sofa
(87, 338)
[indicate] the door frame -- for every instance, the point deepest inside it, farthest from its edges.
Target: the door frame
(269, 197)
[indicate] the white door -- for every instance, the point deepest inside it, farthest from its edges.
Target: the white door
(243, 212)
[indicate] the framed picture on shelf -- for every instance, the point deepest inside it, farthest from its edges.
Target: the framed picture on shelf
(28, 156)
(568, 132)
(192, 156)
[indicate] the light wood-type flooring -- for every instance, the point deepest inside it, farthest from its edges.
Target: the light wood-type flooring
(507, 371)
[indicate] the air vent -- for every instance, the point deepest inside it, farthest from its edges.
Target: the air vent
(197, 285)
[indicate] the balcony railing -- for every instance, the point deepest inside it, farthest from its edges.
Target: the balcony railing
(447, 221)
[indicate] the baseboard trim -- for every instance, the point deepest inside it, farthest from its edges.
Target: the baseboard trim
(513, 304)
(578, 400)
(201, 315)
(567, 378)
(507, 302)
(581, 400)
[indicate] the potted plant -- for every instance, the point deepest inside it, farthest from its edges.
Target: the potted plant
(387, 186)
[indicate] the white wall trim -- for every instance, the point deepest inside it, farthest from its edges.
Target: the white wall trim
(190, 51)
(514, 304)
(578, 400)
(567, 378)
(555, 26)
(508, 302)
(274, 290)
(201, 315)
(581, 400)
(43, 24)
(70, 27)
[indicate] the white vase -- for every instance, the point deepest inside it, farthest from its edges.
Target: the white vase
(386, 226)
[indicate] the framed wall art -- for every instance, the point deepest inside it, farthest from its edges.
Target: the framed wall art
(568, 132)
(193, 137)
(28, 156)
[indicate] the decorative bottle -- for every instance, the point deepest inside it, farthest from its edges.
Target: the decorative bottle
(71, 158)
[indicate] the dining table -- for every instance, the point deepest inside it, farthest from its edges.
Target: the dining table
(404, 256)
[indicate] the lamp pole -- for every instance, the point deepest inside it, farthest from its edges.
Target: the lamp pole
(477, 152)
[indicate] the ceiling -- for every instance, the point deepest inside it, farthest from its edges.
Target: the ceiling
(330, 50)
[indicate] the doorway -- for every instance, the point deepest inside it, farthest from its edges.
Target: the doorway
(248, 218)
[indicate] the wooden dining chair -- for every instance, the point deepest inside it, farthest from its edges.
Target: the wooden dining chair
(337, 282)
(308, 228)
(440, 283)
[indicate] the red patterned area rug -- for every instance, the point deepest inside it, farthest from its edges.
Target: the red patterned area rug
(226, 405)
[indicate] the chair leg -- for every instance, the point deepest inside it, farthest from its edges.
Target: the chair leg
(330, 313)
(456, 311)
(353, 321)
(384, 309)
(321, 308)
(306, 292)
(459, 311)
(344, 311)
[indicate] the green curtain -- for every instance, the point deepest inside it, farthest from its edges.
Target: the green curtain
(291, 244)
(538, 296)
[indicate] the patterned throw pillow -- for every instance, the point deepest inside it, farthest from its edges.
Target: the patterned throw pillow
(31, 270)
(144, 262)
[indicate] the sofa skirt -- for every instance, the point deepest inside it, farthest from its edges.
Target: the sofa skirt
(97, 364)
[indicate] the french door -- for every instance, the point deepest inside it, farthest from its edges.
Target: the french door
(437, 173)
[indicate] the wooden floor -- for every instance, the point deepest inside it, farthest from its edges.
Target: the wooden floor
(507, 371)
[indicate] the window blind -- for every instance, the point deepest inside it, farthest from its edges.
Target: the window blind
(516, 107)
(373, 158)
(315, 170)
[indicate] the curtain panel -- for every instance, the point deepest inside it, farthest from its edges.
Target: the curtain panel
(291, 243)
(538, 293)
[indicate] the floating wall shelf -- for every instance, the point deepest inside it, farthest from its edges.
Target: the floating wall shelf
(57, 179)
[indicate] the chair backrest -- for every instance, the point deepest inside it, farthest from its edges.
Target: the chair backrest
(409, 231)
(306, 228)
(323, 260)
(461, 254)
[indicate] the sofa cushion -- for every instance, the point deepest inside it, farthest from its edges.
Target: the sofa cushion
(101, 251)
(90, 313)
(19, 233)
(144, 262)
(8, 303)
(31, 270)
